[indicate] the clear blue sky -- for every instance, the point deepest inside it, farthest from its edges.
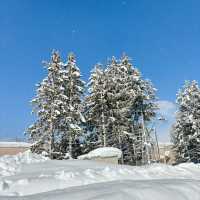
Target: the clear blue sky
(162, 38)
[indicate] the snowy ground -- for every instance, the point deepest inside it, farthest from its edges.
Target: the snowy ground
(33, 177)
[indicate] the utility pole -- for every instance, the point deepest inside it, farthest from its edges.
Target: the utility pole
(158, 149)
(145, 143)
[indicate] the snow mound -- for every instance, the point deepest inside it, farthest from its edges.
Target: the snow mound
(10, 164)
(30, 176)
(103, 152)
(83, 180)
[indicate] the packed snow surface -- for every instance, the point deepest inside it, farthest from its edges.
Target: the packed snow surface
(10, 165)
(33, 177)
(102, 152)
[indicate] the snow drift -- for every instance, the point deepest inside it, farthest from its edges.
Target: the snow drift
(33, 177)
(9, 165)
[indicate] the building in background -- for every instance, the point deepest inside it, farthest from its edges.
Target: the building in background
(167, 155)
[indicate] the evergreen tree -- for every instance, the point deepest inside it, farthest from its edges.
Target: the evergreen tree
(186, 130)
(96, 107)
(48, 107)
(119, 98)
(72, 118)
(141, 110)
(58, 107)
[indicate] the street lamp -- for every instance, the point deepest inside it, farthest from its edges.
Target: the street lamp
(161, 118)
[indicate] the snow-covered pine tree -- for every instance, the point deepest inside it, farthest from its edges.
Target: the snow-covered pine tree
(102, 106)
(48, 106)
(96, 108)
(118, 97)
(72, 118)
(185, 133)
(143, 111)
(58, 107)
(141, 107)
(119, 103)
(128, 94)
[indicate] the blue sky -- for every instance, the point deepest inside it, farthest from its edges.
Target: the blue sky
(162, 38)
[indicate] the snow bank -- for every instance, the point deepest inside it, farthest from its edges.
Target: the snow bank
(33, 177)
(103, 152)
(15, 144)
(10, 164)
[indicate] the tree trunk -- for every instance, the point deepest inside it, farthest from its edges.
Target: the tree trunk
(70, 145)
(103, 130)
(146, 155)
(120, 145)
(51, 145)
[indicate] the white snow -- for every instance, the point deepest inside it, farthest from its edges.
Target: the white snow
(34, 177)
(76, 73)
(14, 144)
(102, 152)
(9, 165)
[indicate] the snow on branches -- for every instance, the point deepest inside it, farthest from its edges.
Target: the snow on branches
(58, 106)
(118, 104)
(118, 98)
(186, 130)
